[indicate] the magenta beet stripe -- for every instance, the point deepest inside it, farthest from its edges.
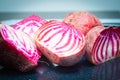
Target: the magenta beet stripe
(66, 46)
(71, 44)
(96, 49)
(113, 44)
(67, 41)
(4, 32)
(46, 36)
(59, 38)
(20, 40)
(52, 35)
(99, 47)
(46, 31)
(49, 27)
(117, 38)
(117, 44)
(106, 45)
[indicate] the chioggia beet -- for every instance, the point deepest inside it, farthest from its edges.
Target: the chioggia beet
(82, 20)
(30, 24)
(61, 43)
(17, 49)
(103, 44)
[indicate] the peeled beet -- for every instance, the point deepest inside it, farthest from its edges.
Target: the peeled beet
(61, 43)
(17, 49)
(30, 24)
(82, 20)
(102, 44)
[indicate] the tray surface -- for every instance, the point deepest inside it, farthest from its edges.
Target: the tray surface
(84, 70)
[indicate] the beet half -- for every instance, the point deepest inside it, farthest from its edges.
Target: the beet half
(60, 42)
(103, 44)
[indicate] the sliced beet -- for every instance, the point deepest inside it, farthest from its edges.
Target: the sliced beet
(61, 43)
(17, 49)
(103, 44)
(30, 24)
(82, 20)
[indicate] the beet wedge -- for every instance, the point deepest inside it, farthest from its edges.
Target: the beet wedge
(30, 24)
(17, 49)
(61, 43)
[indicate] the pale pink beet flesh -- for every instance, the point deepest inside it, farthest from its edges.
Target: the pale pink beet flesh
(82, 20)
(30, 24)
(61, 43)
(17, 49)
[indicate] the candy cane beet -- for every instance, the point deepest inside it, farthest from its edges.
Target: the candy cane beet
(60, 43)
(17, 49)
(103, 44)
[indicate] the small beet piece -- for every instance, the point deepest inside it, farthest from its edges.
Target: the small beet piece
(82, 20)
(103, 44)
(17, 49)
(30, 24)
(61, 43)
